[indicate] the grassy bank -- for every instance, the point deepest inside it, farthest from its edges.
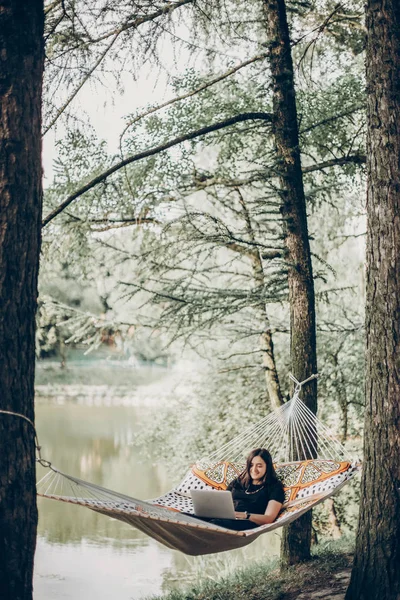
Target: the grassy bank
(264, 581)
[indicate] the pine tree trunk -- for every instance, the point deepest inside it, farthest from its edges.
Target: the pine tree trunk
(269, 364)
(266, 343)
(297, 536)
(333, 521)
(21, 71)
(376, 570)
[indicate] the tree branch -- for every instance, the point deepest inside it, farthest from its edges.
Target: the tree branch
(345, 113)
(80, 85)
(202, 87)
(156, 150)
(101, 225)
(272, 254)
(51, 6)
(168, 8)
(358, 159)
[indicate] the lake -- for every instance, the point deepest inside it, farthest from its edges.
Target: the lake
(90, 431)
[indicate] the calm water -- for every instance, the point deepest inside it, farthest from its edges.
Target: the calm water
(81, 554)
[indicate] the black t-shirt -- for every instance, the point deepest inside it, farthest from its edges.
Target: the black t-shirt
(254, 499)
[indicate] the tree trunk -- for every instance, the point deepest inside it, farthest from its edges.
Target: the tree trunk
(297, 536)
(266, 342)
(344, 405)
(340, 385)
(376, 569)
(333, 521)
(21, 40)
(269, 364)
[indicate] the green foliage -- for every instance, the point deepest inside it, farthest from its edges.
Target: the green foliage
(264, 580)
(219, 404)
(181, 243)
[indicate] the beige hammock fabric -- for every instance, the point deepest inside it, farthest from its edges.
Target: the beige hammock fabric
(291, 431)
(308, 483)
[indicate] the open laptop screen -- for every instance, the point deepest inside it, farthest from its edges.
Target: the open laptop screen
(213, 504)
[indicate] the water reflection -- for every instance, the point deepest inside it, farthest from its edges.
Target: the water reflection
(93, 444)
(98, 572)
(82, 554)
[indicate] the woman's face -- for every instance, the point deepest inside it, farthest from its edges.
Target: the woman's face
(258, 468)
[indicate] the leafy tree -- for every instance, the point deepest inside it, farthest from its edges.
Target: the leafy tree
(284, 178)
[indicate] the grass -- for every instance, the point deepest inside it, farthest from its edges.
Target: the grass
(265, 581)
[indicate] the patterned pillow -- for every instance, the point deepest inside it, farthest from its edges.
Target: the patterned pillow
(300, 479)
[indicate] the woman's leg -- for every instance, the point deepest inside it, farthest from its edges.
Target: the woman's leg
(236, 524)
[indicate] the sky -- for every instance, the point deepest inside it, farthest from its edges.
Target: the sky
(107, 111)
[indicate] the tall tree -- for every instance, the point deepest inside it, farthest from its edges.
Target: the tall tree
(21, 39)
(296, 540)
(292, 196)
(376, 570)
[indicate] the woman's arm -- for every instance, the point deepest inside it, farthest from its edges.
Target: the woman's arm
(273, 509)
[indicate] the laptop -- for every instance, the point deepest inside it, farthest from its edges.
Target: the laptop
(213, 504)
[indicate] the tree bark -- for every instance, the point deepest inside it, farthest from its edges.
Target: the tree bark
(376, 569)
(266, 343)
(296, 540)
(333, 521)
(22, 56)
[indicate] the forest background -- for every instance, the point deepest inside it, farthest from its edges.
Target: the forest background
(182, 254)
(178, 244)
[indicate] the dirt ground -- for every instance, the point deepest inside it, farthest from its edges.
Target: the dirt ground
(334, 589)
(327, 586)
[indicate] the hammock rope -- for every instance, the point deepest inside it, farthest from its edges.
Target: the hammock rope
(38, 447)
(311, 463)
(290, 432)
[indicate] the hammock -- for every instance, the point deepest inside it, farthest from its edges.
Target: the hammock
(291, 432)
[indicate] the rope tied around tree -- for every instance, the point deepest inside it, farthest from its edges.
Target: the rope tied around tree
(39, 459)
(299, 384)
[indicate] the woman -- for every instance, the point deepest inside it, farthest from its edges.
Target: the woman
(257, 493)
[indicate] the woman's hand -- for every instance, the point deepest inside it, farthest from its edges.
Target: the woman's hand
(273, 510)
(240, 515)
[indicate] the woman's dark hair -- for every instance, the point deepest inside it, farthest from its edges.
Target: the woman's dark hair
(270, 476)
